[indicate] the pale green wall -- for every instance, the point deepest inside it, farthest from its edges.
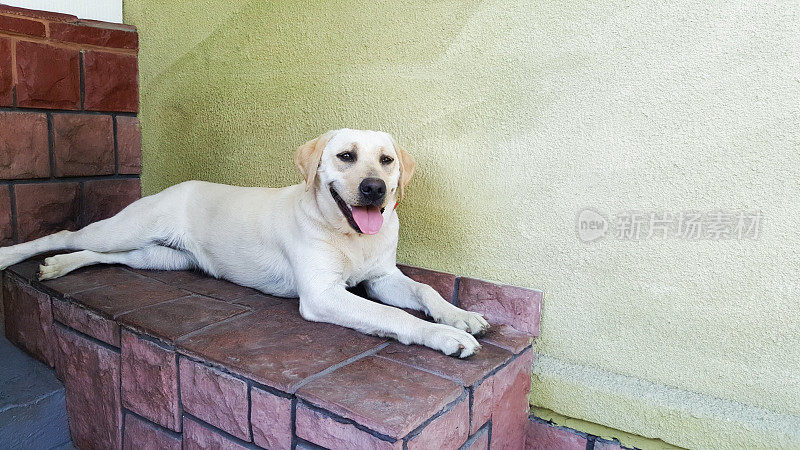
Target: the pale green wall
(520, 114)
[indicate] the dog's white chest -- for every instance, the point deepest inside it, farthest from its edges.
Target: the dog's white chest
(364, 258)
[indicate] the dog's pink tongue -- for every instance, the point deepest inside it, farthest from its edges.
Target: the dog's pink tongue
(368, 218)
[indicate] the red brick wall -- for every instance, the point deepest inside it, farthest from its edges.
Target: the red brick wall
(69, 137)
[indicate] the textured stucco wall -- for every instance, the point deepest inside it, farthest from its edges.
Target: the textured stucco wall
(520, 114)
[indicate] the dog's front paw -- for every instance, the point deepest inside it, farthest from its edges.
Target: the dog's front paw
(452, 341)
(469, 321)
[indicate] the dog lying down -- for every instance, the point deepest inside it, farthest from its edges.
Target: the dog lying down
(334, 230)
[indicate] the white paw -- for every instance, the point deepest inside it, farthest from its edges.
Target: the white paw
(451, 341)
(469, 321)
(56, 266)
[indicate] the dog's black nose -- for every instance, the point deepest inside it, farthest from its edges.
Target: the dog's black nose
(372, 190)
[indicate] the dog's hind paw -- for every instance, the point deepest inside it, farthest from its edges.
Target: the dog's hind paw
(56, 266)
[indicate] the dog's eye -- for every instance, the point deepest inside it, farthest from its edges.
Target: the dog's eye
(347, 156)
(386, 160)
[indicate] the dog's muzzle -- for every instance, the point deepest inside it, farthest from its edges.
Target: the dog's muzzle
(365, 219)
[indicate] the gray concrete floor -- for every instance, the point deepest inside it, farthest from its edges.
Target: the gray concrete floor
(32, 409)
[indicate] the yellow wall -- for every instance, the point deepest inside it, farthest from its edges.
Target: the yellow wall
(521, 114)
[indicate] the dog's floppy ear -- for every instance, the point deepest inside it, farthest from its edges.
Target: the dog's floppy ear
(308, 156)
(407, 165)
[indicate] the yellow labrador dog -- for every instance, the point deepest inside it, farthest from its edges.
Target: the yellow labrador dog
(312, 240)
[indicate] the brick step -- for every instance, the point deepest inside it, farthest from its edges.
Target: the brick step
(544, 435)
(184, 360)
(32, 409)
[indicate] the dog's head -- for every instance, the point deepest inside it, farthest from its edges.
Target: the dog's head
(362, 172)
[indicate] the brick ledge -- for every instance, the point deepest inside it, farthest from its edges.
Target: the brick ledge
(178, 358)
